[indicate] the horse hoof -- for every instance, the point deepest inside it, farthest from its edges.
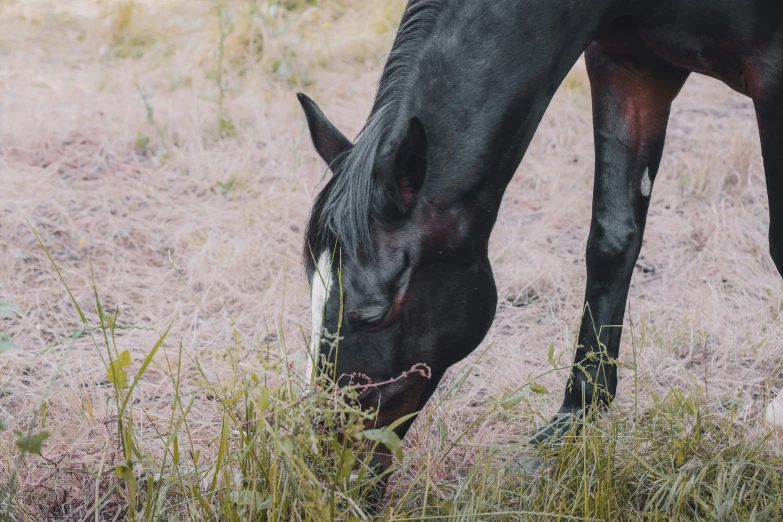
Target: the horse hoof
(529, 463)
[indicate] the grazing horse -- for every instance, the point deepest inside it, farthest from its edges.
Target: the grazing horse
(396, 246)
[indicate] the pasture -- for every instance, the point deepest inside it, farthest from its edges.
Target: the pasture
(156, 175)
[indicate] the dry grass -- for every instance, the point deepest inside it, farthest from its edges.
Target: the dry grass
(183, 227)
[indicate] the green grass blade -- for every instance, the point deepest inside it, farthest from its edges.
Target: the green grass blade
(144, 365)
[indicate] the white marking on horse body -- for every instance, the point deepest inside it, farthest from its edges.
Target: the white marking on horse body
(646, 183)
(774, 411)
(322, 284)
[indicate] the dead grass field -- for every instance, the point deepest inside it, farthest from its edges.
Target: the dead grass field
(183, 226)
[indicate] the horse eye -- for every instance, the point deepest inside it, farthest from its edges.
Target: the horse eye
(377, 315)
(369, 317)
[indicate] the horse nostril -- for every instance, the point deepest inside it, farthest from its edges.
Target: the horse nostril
(354, 316)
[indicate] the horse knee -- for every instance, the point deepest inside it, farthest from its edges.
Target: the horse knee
(611, 246)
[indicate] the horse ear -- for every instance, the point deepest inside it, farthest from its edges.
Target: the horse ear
(409, 167)
(329, 142)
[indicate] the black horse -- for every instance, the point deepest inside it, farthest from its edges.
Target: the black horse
(396, 245)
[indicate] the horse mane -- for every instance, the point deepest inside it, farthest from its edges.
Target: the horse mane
(354, 196)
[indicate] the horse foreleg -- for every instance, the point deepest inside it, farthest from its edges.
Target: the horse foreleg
(769, 113)
(632, 97)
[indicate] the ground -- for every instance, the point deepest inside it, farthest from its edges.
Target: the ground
(177, 178)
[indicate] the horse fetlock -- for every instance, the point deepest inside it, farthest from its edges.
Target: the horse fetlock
(590, 386)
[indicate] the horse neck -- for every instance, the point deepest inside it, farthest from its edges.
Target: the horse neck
(483, 79)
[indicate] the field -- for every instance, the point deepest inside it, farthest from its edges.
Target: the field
(156, 175)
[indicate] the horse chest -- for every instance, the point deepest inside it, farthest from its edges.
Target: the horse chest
(742, 49)
(722, 58)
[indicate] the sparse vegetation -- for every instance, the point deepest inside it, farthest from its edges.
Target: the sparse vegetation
(152, 344)
(226, 127)
(289, 453)
(143, 141)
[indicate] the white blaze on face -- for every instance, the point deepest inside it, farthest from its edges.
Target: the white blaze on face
(322, 284)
